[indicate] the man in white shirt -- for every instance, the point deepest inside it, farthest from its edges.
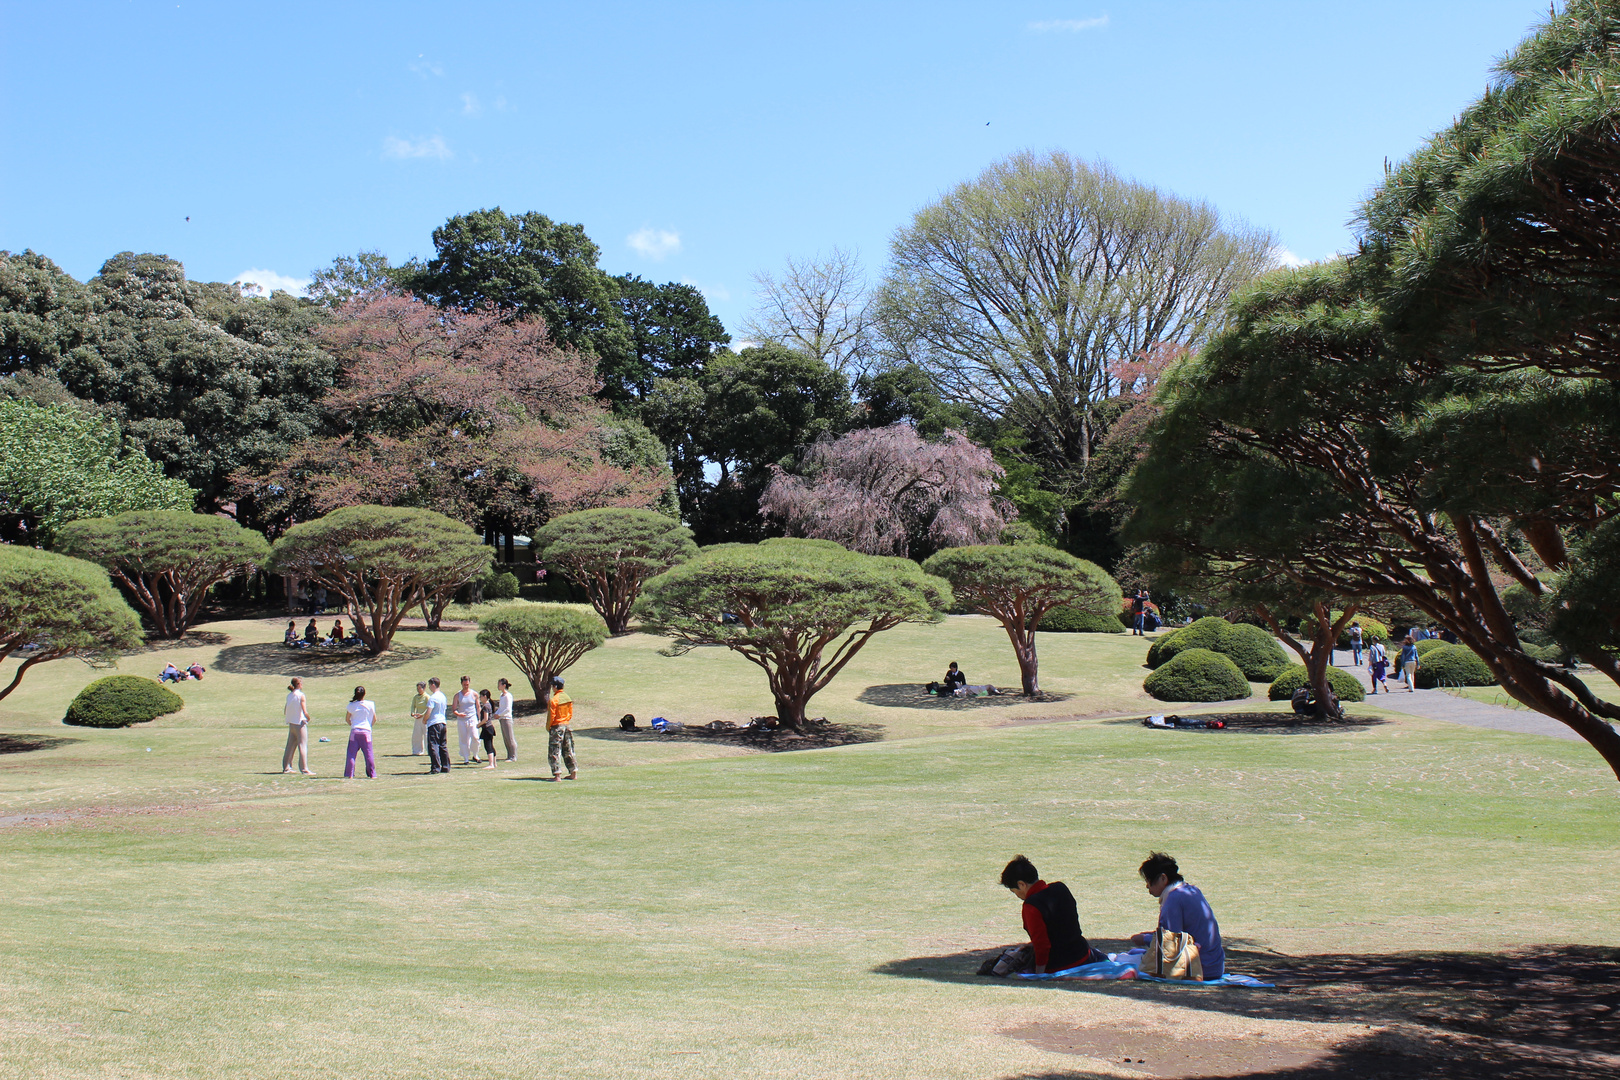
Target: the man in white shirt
(437, 743)
(465, 706)
(297, 714)
(503, 713)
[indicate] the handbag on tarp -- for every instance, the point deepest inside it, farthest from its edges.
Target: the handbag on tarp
(1172, 955)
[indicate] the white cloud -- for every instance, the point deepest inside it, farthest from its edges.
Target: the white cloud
(424, 67)
(265, 282)
(1286, 257)
(654, 244)
(713, 292)
(416, 148)
(469, 104)
(1069, 26)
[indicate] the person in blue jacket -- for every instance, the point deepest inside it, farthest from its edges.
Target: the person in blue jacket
(1183, 910)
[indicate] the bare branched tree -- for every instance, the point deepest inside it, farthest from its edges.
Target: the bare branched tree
(1022, 290)
(820, 305)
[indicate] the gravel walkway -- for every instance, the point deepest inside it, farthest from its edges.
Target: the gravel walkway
(1439, 705)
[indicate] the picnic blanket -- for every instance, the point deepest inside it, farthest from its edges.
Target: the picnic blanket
(1123, 969)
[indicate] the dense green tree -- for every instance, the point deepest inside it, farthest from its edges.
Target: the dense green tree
(612, 552)
(543, 640)
(362, 276)
(672, 334)
(1017, 584)
(53, 606)
(800, 609)
(743, 414)
(60, 463)
(166, 559)
(905, 394)
(532, 266)
(382, 561)
(44, 314)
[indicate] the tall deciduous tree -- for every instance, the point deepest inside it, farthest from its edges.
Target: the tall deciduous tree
(168, 560)
(885, 490)
(543, 640)
(382, 561)
(1017, 584)
(53, 606)
(60, 463)
(821, 306)
(612, 552)
(800, 609)
(1018, 290)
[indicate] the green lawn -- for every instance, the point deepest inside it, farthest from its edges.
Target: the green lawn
(688, 911)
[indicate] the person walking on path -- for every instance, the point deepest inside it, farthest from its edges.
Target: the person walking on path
(361, 715)
(486, 726)
(560, 731)
(419, 711)
(297, 714)
(1355, 644)
(1378, 667)
(503, 713)
(465, 707)
(1409, 664)
(438, 747)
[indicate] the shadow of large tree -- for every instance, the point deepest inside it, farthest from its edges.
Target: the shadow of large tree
(911, 696)
(271, 658)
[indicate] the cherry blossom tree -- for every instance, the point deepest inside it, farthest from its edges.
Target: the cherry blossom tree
(883, 490)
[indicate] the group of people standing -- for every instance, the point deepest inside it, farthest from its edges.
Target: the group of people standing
(477, 716)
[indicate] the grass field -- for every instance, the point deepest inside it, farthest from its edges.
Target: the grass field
(693, 910)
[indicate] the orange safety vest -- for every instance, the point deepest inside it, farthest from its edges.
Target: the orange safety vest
(561, 710)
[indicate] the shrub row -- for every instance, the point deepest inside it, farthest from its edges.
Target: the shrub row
(1452, 665)
(1068, 620)
(1345, 686)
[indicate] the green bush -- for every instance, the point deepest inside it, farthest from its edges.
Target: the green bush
(1371, 630)
(1428, 645)
(1068, 620)
(502, 585)
(1536, 636)
(1254, 651)
(121, 700)
(1345, 687)
(1197, 675)
(1452, 665)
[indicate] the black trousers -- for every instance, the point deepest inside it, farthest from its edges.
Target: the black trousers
(438, 748)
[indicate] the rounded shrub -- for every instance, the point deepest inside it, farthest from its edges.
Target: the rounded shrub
(1428, 645)
(501, 586)
(1371, 630)
(1453, 665)
(1207, 633)
(1154, 658)
(1069, 620)
(1345, 687)
(121, 700)
(1254, 651)
(1197, 675)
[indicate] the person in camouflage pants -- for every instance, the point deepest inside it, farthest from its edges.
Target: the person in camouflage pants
(560, 732)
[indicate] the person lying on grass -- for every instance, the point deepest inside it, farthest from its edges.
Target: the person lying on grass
(1183, 910)
(1051, 920)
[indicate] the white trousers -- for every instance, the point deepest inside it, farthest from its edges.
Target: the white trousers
(468, 730)
(419, 737)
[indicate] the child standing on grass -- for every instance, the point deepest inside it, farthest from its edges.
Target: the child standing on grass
(560, 731)
(361, 714)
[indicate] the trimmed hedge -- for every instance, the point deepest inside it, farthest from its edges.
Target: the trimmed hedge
(1254, 651)
(1428, 645)
(121, 700)
(1345, 687)
(1068, 620)
(1453, 665)
(1197, 675)
(1371, 630)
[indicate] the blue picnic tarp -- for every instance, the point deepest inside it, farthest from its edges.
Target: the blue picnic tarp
(1115, 969)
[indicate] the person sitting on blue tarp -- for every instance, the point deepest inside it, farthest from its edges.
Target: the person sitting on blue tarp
(1052, 921)
(1183, 910)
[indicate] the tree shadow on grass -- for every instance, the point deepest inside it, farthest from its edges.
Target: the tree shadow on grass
(1541, 1012)
(911, 696)
(23, 744)
(817, 735)
(1277, 723)
(194, 639)
(270, 658)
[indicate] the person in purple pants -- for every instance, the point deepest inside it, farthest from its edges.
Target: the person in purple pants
(361, 715)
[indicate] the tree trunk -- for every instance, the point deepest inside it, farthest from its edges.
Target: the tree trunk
(1023, 643)
(790, 711)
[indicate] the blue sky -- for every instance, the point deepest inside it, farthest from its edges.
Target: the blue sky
(695, 142)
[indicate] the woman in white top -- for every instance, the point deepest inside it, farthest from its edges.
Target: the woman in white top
(297, 729)
(361, 714)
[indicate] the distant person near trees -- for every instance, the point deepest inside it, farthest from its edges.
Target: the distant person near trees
(438, 746)
(1139, 612)
(955, 678)
(1409, 663)
(1050, 918)
(361, 715)
(1355, 644)
(291, 636)
(503, 713)
(419, 713)
(312, 633)
(297, 714)
(1378, 667)
(465, 708)
(560, 731)
(1183, 910)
